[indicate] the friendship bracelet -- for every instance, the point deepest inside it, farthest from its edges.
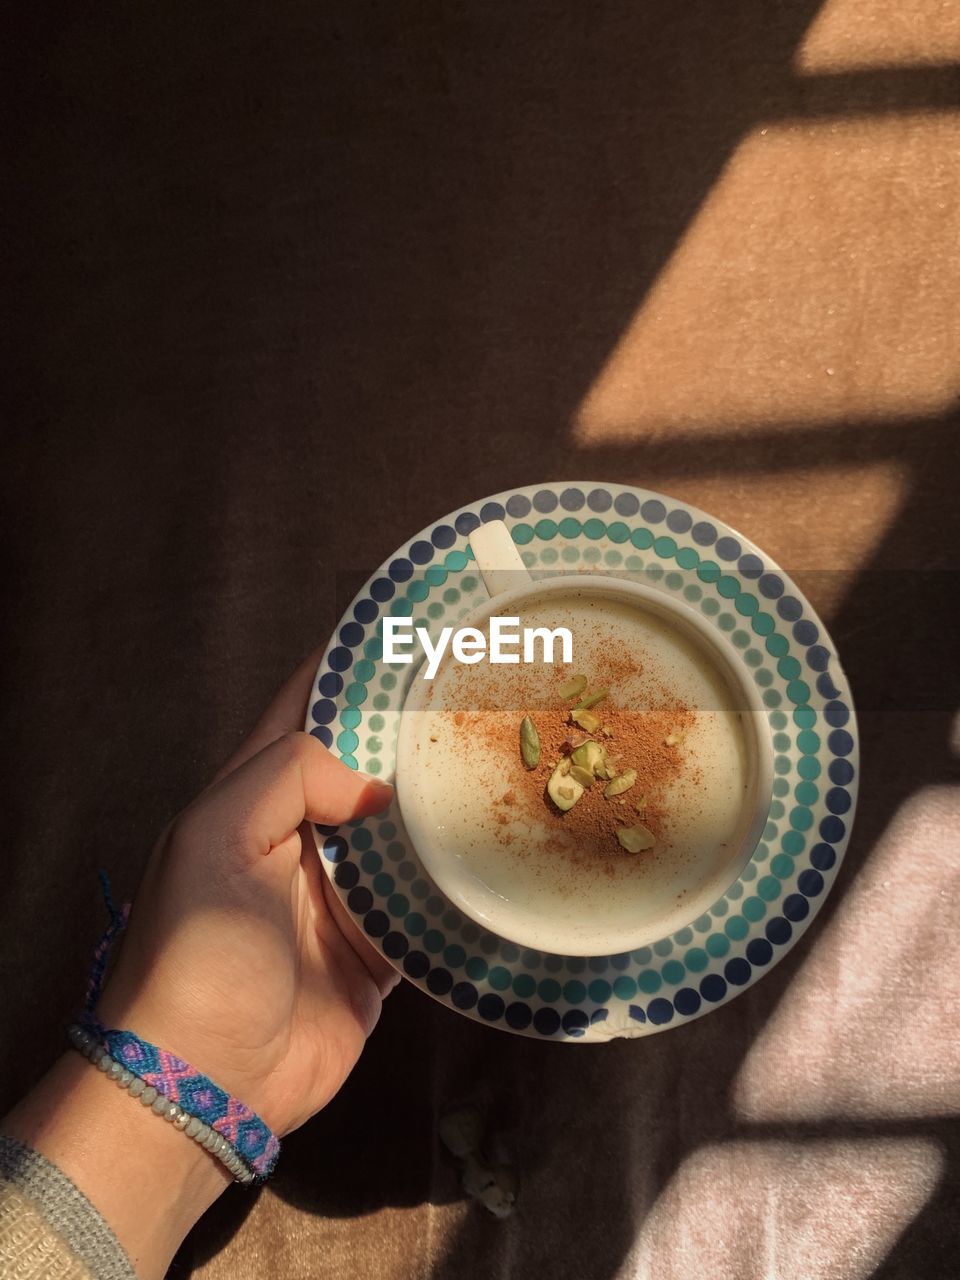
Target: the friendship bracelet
(203, 1134)
(184, 1096)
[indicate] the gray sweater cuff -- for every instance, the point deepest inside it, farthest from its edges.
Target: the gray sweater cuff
(66, 1209)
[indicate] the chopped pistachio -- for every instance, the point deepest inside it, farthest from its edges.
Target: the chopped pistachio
(641, 804)
(591, 756)
(623, 782)
(563, 765)
(673, 739)
(583, 776)
(606, 731)
(562, 789)
(529, 743)
(573, 687)
(586, 720)
(592, 700)
(636, 839)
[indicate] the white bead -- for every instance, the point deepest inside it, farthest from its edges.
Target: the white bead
(137, 1086)
(148, 1095)
(159, 1104)
(182, 1120)
(171, 1111)
(115, 1071)
(193, 1127)
(126, 1078)
(105, 1063)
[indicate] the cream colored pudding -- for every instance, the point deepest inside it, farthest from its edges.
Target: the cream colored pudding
(672, 716)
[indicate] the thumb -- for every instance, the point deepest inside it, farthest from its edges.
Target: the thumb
(260, 804)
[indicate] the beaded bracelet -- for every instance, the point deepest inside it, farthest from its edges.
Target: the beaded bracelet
(189, 1100)
(203, 1134)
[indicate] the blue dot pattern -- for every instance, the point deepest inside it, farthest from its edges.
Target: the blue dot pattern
(491, 979)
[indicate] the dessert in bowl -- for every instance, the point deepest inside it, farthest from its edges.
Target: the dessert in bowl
(589, 806)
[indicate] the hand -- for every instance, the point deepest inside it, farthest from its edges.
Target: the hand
(238, 956)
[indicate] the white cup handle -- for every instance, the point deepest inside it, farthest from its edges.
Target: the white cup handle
(498, 559)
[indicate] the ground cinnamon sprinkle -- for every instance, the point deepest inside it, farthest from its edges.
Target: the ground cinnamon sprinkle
(637, 738)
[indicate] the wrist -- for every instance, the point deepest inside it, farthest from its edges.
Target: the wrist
(185, 1098)
(188, 1030)
(149, 1182)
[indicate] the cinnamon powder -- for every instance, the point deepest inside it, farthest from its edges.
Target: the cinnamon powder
(637, 739)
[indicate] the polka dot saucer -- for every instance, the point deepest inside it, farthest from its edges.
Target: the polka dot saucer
(622, 532)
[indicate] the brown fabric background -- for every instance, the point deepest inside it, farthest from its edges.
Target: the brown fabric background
(287, 282)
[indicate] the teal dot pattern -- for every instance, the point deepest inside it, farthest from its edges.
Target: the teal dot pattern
(684, 552)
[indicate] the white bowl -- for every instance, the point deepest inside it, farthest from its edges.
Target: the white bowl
(512, 918)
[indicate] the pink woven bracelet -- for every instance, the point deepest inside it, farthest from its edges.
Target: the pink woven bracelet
(184, 1096)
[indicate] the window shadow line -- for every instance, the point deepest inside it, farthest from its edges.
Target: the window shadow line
(867, 93)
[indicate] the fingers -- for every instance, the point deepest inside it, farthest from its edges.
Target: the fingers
(329, 905)
(259, 804)
(380, 969)
(277, 780)
(286, 713)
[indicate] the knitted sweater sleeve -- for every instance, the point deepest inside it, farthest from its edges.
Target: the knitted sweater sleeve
(49, 1230)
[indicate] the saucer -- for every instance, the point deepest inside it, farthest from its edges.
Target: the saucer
(634, 534)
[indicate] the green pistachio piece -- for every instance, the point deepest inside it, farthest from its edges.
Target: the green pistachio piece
(562, 788)
(586, 720)
(592, 700)
(583, 776)
(529, 743)
(573, 687)
(623, 782)
(636, 839)
(591, 756)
